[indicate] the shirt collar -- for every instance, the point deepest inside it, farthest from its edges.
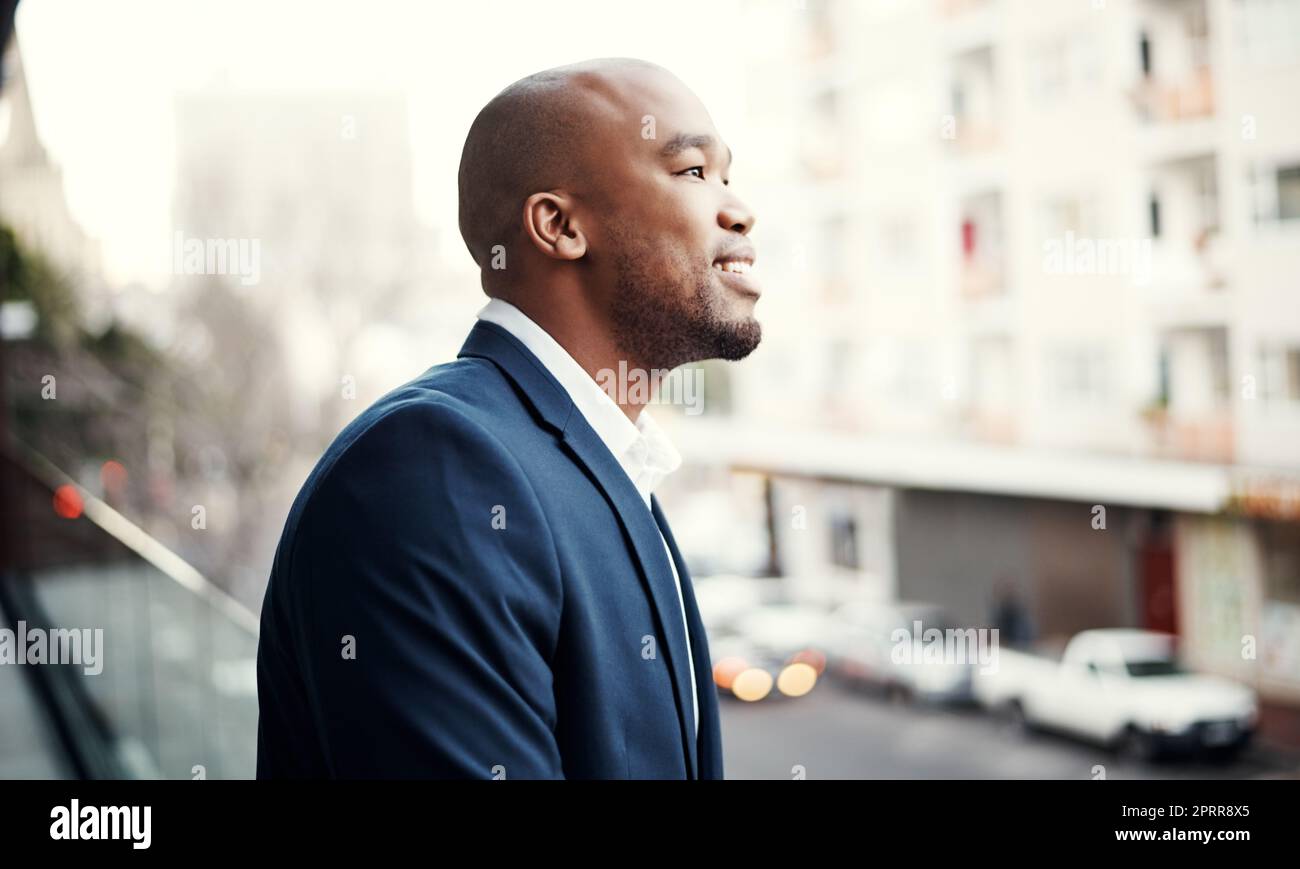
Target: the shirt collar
(643, 449)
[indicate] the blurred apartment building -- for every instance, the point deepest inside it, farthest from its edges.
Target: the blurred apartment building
(1031, 260)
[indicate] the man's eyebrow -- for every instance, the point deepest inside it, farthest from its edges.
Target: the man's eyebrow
(685, 141)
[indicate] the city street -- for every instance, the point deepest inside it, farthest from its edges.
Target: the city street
(835, 733)
(455, 391)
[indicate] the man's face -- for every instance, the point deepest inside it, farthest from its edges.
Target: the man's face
(668, 235)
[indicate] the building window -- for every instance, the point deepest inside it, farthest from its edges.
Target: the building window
(1079, 374)
(1268, 31)
(1288, 193)
(898, 244)
(992, 367)
(844, 541)
(1281, 368)
(1281, 551)
(1163, 388)
(1207, 195)
(1276, 193)
(1063, 65)
(1073, 214)
(1047, 72)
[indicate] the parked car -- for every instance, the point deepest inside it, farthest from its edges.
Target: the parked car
(865, 650)
(769, 650)
(1124, 688)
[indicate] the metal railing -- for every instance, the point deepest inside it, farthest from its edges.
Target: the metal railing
(172, 693)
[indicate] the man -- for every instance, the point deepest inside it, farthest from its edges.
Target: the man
(476, 580)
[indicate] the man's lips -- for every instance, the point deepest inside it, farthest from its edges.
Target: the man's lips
(733, 269)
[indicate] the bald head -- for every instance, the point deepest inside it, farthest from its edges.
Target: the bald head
(607, 185)
(537, 135)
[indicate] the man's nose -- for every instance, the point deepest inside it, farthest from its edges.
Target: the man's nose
(736, 216)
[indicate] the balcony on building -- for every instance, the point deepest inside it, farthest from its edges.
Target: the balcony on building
(1191, 415)
(1188, 280)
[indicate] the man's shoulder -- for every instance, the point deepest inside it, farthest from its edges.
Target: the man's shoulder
(467, 393)
(400, 477)
(451, 419)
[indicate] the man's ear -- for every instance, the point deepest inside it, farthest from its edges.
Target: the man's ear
(552, 227)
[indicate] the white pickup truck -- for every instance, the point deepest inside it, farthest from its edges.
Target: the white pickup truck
(1122, 688)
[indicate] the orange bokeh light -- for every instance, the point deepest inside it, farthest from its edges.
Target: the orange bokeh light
(727, 669)
(67, 502)
(113, 476)
(812, 657)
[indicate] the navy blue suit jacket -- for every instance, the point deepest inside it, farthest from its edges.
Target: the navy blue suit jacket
(469, 585)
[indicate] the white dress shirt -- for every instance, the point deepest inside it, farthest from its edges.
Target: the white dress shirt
(642, 449)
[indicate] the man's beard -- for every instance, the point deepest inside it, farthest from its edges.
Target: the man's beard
(656, 328)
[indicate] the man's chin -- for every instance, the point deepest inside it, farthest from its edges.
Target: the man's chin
(739, 340)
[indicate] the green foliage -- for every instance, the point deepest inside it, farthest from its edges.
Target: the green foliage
(27, 276)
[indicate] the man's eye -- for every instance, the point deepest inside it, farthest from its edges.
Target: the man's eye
(699, 169)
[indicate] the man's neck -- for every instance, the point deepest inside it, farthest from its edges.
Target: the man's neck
(587, 340)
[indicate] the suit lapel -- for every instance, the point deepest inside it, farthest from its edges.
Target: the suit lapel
(709, 742)
(641, 530)
(490, 341)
